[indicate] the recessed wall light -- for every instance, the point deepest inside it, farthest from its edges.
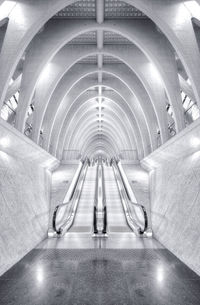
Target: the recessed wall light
(4, 142)
(195, 142)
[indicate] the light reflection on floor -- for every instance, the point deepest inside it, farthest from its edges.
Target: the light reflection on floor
(113, 241)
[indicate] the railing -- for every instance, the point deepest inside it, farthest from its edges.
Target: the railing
(97, 208)
(138, 226)
(64, 213)
(95, 220)
(104, 231)
(95, 227)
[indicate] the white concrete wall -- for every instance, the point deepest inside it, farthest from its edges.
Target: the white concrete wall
(175, 195)
(25, 182)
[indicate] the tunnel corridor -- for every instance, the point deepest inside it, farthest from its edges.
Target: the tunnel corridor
(99, 152)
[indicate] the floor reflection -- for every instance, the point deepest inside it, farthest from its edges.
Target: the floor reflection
(98, 277)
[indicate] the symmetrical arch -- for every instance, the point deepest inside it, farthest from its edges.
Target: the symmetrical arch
(89, 104)
(128, 67)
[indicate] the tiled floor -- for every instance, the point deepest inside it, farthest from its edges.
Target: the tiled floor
(100, 277)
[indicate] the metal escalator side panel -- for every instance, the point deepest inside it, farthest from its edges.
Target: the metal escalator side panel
(116, 221)
(95, 229)
(71, 205)
(83, 222)
(104, 230)
(127, 203)
(100, 212)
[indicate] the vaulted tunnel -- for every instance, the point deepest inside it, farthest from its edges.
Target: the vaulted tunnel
(99, 133)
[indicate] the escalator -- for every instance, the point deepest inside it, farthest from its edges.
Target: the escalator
(100, 205)
(115, 213)
(84, 216)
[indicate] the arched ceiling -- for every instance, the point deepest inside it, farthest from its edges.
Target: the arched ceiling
(97, 76)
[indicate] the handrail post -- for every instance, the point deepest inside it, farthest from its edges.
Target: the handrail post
(95, 203)
(100, 206)
(95, 220)
(104, 231)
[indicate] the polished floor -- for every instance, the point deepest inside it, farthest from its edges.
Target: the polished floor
(121, 269)
(112, 241)
(100, 277)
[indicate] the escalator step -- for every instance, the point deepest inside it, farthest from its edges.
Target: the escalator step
(80, 229)
(119, 229)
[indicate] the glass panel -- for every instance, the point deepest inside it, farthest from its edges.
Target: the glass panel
(9, 107)
(192, 111)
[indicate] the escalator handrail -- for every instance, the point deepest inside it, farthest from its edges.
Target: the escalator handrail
(59, 231)
(128, 213)
(55, 213)
(95, 229)
(140, 230)
(75, 186)
(96, 187)
(95, 220)
(103, 186)
(104, 231)
(100, 167)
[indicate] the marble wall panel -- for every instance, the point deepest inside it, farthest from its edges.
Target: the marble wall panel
(174, 173)
(25, 182)
(175, 209)
(24, 208)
